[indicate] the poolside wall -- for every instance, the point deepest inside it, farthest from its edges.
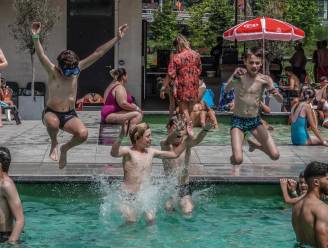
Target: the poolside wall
(129, 49)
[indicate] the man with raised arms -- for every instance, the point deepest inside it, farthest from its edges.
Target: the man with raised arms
(137, 167)
(62, 87)
(249, 85)
(179, 167)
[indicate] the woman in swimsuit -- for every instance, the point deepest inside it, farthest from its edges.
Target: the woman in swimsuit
(301, 114)
(119, 106)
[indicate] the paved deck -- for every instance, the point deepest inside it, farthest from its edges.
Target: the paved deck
(29, 145)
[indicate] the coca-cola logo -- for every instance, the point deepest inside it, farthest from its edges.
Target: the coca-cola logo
(251, 25)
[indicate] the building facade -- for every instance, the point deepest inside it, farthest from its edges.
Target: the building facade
(82, 27)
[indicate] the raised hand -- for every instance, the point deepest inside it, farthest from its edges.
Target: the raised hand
(239, 72)
(122, 30)
(36, 27)
(292, 185)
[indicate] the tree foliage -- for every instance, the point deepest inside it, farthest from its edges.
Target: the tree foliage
(165, 26)
(209, 19)
(28, 11)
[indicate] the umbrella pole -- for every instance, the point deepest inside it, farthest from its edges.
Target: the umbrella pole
(263, 55)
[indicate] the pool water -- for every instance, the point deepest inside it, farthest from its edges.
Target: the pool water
(72, 215)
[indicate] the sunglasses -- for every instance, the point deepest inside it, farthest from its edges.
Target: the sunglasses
(71, 71)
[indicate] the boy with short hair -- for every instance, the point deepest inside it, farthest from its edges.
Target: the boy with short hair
(249, 85)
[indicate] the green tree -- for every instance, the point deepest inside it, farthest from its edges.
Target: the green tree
(209, 19)
(165, 26)
(28, 11)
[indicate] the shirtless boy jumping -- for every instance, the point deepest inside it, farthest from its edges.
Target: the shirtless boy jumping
(249, 85)
(62, 87)
(179, 167)
(137, 166)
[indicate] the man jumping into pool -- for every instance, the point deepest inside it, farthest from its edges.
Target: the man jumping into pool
(249, 84)
(179, 167)
(137, 166)
(62, 87)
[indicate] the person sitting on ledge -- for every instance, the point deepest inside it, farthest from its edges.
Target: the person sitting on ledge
(119, 106)
(301, 114)
(6, 101)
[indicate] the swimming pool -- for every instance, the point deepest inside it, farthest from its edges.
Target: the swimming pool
(72, 215)
(221, 136)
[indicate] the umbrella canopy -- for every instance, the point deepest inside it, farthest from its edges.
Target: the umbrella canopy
(264, 28)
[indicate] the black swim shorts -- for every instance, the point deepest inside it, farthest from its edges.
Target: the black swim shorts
(62, 116)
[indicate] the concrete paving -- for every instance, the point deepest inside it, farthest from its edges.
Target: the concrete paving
(29, 145)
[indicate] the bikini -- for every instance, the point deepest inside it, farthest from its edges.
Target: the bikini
(111, 105)
(299, 133)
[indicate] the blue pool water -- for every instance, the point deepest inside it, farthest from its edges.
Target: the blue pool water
(77, 215)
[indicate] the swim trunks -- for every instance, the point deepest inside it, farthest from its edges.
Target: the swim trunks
(245, 124)
(62, 116)
(128, 196)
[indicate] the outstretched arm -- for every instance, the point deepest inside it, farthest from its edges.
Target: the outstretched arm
(45, 61)
(3, 60)
(171, 154)
(16, 209)
(103, 49)
(118, 151)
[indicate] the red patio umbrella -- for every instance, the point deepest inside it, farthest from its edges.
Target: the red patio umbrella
(264, 28)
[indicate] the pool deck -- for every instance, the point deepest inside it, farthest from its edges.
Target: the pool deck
(29, 146)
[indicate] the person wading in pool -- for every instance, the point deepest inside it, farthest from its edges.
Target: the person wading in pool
(10, 205)
(310, 214)
(179, 167)
(62, 87)
(249, 85)
(137, 166)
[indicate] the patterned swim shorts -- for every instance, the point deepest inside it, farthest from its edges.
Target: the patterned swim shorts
(245, 124)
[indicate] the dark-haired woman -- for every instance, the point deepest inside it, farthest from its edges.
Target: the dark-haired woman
(301, 114)
(119, 106)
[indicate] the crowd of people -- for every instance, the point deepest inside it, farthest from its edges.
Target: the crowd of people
(188, 108)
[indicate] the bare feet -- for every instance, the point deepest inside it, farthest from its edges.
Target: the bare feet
(54, 152)
(252, 145)
(62, 158)
(235, 171)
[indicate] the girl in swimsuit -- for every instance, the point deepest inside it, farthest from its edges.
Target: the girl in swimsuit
(119, 106)
(301, 114)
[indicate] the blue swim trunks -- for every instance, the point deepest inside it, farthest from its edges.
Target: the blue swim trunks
(245, 124)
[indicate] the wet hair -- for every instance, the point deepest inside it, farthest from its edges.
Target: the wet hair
(181, 42)
(308, 93)
(117, 74)
(256, 51)
(68, 59)
(314, 170)
(301, 174)
(5, 158)
(176, 120)
(138, 131)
